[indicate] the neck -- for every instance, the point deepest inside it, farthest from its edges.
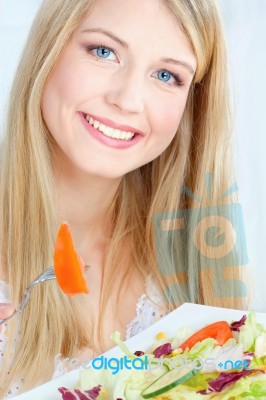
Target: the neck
(84, 202)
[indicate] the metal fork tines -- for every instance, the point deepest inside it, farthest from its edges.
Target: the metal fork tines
(47, 275)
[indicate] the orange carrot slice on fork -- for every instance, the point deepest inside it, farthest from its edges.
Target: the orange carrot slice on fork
(68, 265)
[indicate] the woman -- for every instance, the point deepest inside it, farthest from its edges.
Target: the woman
(115, 107)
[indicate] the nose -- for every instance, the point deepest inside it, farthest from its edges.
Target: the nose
(126, 92)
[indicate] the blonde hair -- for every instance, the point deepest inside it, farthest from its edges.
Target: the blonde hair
(27, 215)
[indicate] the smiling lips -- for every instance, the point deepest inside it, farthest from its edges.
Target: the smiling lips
(108, 131)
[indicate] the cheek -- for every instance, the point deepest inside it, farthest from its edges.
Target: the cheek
(57, 104)
(65, 92)
(69, 86)
(168, 118)
(64, 86)
(76, 85)
(55, 91)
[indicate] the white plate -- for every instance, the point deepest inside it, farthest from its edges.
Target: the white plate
(193, 316)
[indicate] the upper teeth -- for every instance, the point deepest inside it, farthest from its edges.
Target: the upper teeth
(108, 131)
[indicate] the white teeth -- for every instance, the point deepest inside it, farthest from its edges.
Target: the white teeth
(108, 131)
(96, 124)
(101, 127)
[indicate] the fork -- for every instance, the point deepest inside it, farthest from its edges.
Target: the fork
(46, 275)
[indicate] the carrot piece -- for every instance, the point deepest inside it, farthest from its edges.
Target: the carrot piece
(68, 265)
(219, 331)
(260, 368)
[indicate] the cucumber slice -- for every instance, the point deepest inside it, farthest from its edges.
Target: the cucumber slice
(159, 370)
(168, 381)
(151, 375)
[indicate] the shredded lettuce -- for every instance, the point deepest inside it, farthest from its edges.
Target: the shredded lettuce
(260, 345)
(250, 332)
(202, 349)
(116, 337)
(181, 335)
(249, 388)
(257, 389)
(200, 381)
(258, 362)
(181, 393)
(127, 384)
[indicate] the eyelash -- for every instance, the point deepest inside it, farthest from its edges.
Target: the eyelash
(97, 46)
(178, 80)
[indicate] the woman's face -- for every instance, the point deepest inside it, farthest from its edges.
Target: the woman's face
(117, 94)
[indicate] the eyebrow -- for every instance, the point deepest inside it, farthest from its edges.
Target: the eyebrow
(179, 62)
(108, 33)
(125, 45)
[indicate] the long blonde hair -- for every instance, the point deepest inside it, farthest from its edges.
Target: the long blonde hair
(53, 323)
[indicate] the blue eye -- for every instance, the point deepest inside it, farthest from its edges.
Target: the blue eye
(164, 75)
(169, 78)
(103, 52)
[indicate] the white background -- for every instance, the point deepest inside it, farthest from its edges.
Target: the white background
(245, 28)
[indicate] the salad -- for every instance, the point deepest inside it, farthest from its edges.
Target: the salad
(220, 361)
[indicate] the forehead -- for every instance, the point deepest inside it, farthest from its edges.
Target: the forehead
(139, 21)
(130, 9)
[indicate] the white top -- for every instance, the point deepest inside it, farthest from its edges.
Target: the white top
(149, 309)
